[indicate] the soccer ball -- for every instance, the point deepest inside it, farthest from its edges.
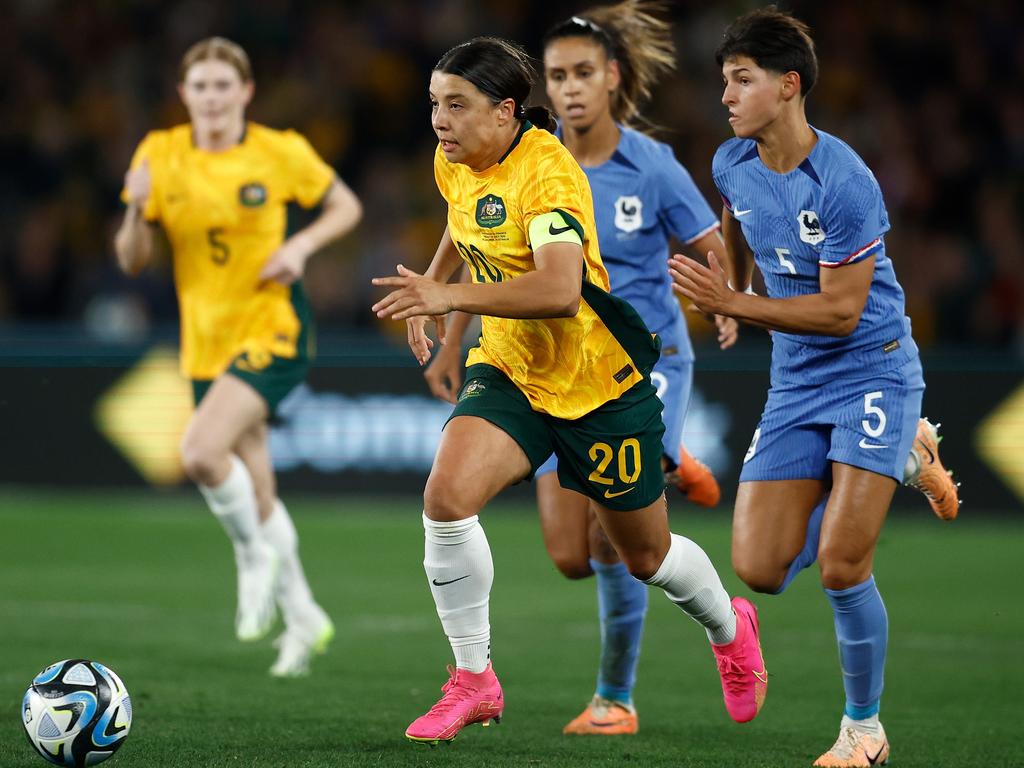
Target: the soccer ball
(76, 712)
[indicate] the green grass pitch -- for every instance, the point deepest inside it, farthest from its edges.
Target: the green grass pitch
(145, 583)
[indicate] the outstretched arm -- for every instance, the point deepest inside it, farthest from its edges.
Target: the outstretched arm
(834, 311)
(551, 290)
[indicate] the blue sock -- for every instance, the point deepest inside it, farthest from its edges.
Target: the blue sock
(809, 553)
(622, 605)
(862, 629)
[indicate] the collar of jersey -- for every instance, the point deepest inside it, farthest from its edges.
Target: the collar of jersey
(618, 156)
(241, 140)
(806, 165)
(527, 125)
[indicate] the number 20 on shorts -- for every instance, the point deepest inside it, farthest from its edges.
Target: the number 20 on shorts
(628, 455)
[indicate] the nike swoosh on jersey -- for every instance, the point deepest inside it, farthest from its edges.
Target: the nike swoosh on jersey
(610, 495)
(437, 583)
(553, 231)
(737, 214)
(865, 444)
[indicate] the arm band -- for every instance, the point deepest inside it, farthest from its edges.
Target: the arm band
(552, 228)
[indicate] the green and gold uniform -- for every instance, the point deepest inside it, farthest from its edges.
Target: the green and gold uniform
(577, 386)
(225, 215)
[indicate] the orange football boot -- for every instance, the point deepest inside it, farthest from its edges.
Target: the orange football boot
(604, 717)
(931, 478)
(694, 480)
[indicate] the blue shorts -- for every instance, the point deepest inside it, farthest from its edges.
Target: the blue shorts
(868, 423)
(672, 377)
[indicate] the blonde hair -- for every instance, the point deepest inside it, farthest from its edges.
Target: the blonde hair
(219, 48)
(637, 39)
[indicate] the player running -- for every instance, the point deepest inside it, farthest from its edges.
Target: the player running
(599, 67)
(219, 186)
(562, 366)
(843, 410)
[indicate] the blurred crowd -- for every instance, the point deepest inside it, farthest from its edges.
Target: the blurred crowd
(930, 94)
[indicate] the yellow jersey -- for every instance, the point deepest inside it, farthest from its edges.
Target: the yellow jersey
(225, 214)
(567, 366)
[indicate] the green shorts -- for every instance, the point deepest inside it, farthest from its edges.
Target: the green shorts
(273, 382)
(611, 455)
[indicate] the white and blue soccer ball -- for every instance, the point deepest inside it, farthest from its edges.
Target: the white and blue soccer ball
(76, 713)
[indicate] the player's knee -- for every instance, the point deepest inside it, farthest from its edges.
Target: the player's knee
(199, 462)
(642, 565)
(445, 502)
(758, 576)
(572, 565)
(841, 571)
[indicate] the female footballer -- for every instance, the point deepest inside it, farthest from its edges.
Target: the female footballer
(843, 411)
(562, 367)
(599, 67)
(218, 186)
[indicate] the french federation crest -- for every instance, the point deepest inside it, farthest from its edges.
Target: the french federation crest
(810, 227)
(490, 211)
(252, 195)
(629, 213)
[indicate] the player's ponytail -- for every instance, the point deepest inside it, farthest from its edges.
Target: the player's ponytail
(541, 117)
(636, 38)
(500, 70)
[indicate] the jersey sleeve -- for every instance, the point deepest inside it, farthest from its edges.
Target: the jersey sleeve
(551, 187)
(854, 222)
(683, 208)
(149, 149)
(309, 177)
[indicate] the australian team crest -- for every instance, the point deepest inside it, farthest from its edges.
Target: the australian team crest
(629, 215)
(490, 211)
(252, 195)
(810, 227)
(472, 389)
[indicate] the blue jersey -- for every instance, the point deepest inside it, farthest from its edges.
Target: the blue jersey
(642, 197)
(824, 214)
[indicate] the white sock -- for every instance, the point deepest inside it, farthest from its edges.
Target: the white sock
(294, 594)
(912, 468)
(867, 725)
(458, 563)
(691, 582)
(234, 504)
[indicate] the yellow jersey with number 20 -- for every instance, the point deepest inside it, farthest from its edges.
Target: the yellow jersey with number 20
(536, 194)
(225, 214)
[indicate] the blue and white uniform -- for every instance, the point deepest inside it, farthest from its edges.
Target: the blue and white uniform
(642, 197)
(853, 399)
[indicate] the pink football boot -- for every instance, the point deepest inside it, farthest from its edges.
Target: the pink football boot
(741, 665)
(468, 698)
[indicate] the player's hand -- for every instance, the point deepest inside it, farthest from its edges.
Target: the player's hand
(444, 376)
(707, 287)
(413, 295)
(138, 183)
(419, 342)
(728, 331)
(288, 262)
